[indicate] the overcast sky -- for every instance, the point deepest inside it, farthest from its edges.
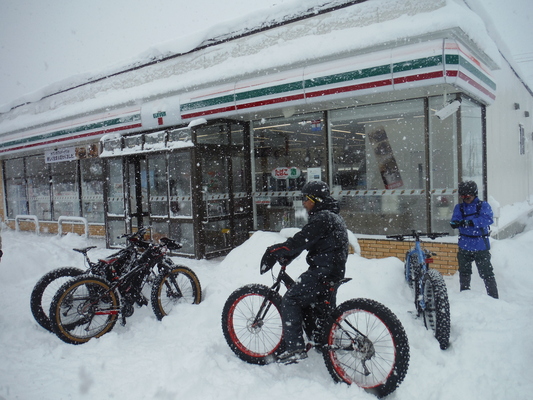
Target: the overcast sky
(46, 41)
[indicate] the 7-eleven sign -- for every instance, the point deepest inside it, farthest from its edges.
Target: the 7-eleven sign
(159, 115)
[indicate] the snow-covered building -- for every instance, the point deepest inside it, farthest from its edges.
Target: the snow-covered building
(391, 102)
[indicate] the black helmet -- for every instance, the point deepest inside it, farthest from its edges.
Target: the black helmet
(316, 190)
(468, 188)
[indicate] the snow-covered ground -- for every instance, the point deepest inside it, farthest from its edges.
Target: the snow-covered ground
(185, 356)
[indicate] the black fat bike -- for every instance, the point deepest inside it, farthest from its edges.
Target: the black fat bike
(46, 287)
(89, 306)
(362, 342)
(429, 288)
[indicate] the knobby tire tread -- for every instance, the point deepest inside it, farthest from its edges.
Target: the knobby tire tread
(62, 296)
(260, 344)
(48, 281)
(159, 286)
(395, 360)
(434, 282)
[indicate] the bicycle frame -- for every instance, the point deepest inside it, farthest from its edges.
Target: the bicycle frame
(318, 313)
(136, 268)
(423, 260)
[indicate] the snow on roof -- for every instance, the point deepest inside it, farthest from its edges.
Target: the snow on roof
(359, 28)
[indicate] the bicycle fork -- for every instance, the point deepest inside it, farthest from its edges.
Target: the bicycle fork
(258, 321)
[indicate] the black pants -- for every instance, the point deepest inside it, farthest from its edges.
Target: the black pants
(303, 293)
(482, 260)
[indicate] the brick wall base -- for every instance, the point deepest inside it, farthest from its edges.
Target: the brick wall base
(445, 261)
(51, 227)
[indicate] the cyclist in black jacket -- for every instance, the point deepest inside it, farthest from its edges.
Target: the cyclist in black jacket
(326, 239)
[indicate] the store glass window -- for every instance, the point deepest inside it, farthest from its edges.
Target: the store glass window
(115, 188)
(288, 152)
(158, 229)
(157, 167)
(379, 166)
(115, 229)
(179, 180)
(39, 188)
(65, 189)
(472, 143)
(237, 134)
(92, 189)
(443, 166)
(240, 197)
(213, 134)
(183, 232)
(181, 223)
(215, 184)
(17, 201)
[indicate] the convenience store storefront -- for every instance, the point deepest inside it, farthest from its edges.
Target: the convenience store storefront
(206, 167)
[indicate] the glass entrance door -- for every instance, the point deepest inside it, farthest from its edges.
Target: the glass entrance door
(151, 190)
(137, 185)
(198, 195)
(223, 179)
(127, 197)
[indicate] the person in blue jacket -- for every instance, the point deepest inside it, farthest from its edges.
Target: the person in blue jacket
(473, 217)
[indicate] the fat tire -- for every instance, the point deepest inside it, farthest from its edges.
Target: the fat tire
(164, 295)
(259, 344)
(44, 290)
(415, 269)
(71, 308)
(437, 312)
(411, 278)
(387, 366)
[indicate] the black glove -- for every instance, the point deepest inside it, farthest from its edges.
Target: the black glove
(461, 224)
(1, 254)
(455, 224)
(273, 254)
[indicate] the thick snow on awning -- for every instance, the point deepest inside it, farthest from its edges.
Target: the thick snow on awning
(359, 29)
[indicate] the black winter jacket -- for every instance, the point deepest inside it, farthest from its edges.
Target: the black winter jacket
(324, 236)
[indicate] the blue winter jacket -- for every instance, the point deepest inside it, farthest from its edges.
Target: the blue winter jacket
(474, 238)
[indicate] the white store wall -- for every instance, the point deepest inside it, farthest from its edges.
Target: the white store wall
(509, 174)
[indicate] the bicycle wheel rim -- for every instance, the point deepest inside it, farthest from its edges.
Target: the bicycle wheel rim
(87, 309)
(348, 364)
(254, 339)
(169, 295)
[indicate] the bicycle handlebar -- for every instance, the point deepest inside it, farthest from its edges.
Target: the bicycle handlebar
(418, 235)
(140, 233)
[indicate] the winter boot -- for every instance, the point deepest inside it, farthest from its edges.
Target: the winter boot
(492, 288)
(464, 281)
(292, 357)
